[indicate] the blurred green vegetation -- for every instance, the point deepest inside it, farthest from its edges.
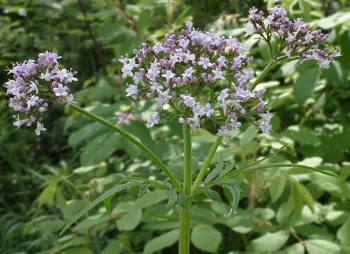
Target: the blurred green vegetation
(46, 180)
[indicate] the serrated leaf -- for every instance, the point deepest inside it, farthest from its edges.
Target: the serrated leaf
(172, 195)
(154, 183)
(227, 168)
(236, 194)
(213, 195)
(96, 202)
(214, 172)
(143, 188)
(278, 165)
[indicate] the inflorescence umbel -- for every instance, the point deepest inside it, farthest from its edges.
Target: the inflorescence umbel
(200, 75)
(295, 37)
(186, 72)
(34, 84)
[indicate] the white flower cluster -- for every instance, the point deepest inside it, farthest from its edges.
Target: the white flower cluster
(199, 75)
(36, 83)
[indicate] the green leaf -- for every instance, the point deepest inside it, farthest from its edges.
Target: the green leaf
(305, 84)
(96, 202)
(203, 136)
(87, 132)
(213, 195)
(206, 238)
(305, 194)
(306, 10)
(336, 187)
(322, 247)
(130, 220)
(276, 187)
(235, 193)
(278, 165)
(48, 194)
(101, 148)
(172, 195)
(214, 172)
(343, 235)
(113, 247)
(107, 203)
(248, 136)
(270, 242)
(162, 241)
(143, 188)
(297, 200)
(155, 183)
(80, 250)
(296, 248)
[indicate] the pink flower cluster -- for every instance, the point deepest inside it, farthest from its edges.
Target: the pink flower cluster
(196, 76)
(36, 83)
(297, 40)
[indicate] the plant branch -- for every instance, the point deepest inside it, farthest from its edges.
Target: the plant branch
(262, 74)
(133, 140)
(206, 163)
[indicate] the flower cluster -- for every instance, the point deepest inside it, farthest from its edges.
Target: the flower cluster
(196, 76)
(34, 84)
(297, 40)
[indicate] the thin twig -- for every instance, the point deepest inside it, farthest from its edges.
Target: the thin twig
(298, 237)
(128, 18)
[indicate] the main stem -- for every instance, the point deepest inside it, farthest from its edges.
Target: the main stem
(185, 212)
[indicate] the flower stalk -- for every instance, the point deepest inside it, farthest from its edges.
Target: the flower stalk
(133, 140)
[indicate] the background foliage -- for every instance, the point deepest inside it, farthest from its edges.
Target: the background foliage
(46, 180)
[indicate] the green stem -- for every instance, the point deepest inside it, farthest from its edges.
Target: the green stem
(185, 212)
(206, 163)
(126, 135)
(262, 75)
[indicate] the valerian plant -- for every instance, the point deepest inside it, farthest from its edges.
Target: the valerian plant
(197, 77)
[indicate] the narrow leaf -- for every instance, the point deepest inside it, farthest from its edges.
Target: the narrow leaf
(305, 195)
(213, 195)
(236, 194)
(143, 188)
(172, 194)
(276, 187)
(278, 165)
(265, 158)
(154, 183)
(297, 200)
(228, 167)
(107, 203)
(214, 172)
(107, 194)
